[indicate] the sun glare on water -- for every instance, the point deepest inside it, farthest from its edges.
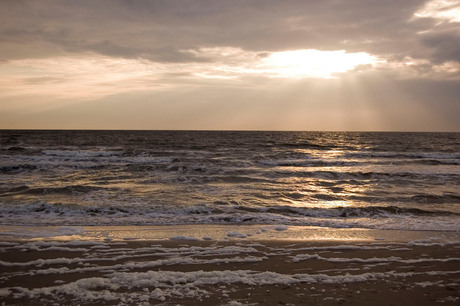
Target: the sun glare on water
(314, 63)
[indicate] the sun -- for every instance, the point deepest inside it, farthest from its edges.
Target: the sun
(313, 63)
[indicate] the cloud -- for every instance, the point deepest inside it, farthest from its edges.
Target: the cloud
(444, 45)
(174, 31)
(440, 42)
(92, 76)
(445, 10)
(155, 29)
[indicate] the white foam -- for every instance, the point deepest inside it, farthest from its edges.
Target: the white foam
(180, 284)
(119, 284)
(4, 292)
(177, 258)
(426, 284)
(303, 257)
(41, 262)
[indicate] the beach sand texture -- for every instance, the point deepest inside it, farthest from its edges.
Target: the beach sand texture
(182, 271)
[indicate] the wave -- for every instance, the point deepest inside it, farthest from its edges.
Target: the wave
(435, 198)
(362, 175)
(224, 212)
(56, 160)
(81, 153)
(305, 145)
(308, 163)
(402, 155)
(16, 149)
(431, 199)
(433, 162)
(15, 169)
(355, 212)
(66, 190)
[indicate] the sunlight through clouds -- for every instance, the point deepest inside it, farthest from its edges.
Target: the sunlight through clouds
(441, 9)
(314, 63)
(294, 64)
(94, 76)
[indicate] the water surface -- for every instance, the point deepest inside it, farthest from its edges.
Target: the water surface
(407, 181)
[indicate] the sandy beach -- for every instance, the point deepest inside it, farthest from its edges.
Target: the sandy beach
(185, 270)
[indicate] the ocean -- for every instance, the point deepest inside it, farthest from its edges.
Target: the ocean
(383, 181)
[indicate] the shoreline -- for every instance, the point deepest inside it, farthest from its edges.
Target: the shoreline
(368, 267)
(197, 232)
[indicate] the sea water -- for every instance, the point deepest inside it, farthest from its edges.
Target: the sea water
(389, 181)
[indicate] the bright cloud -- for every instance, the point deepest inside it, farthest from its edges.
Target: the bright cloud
(77, 77)
(441, 9)
(310, 63)
(314, 63)
(92, 76)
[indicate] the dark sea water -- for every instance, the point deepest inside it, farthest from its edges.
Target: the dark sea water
(407, 181)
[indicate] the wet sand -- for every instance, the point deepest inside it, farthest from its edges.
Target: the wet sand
(229, 272)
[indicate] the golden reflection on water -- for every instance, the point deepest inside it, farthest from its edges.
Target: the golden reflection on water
(322, 154)
(212, 232)
(314, 193)
(216, 233)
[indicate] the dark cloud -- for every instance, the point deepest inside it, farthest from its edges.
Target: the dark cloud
(159, 30)
(173, 31)
(444, 45)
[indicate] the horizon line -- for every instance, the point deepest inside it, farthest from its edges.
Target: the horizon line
(220, 130)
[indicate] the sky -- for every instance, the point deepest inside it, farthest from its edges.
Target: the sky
(332, 65)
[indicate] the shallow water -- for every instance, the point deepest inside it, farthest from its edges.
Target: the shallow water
(400, 181)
